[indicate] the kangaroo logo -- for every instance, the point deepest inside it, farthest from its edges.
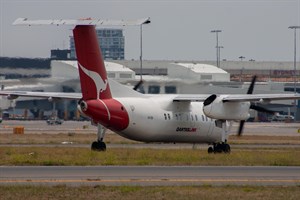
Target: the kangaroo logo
(101, 84)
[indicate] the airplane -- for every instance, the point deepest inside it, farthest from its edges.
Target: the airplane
(148, 118)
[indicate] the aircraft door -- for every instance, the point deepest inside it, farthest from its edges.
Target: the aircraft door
(132, 115)
(211, 126)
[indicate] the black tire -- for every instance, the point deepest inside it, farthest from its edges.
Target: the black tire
(218, 148)
(210, 150)
(102, 146)
(227, 148)
(94, 146)
(98, 146)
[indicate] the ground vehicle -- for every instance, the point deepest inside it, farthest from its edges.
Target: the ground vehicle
(54, 121)
(279, 118)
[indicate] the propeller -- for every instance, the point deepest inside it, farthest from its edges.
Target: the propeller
(250, 91)
(253, 106)
(261, 109)
(138, 85)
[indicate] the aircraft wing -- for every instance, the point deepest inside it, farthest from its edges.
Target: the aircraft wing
(49, 95)
(240, 97)
(259, 97)
(190, 97)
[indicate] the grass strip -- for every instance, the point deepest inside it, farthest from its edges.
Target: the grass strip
(113, 138)
(72, 156)
(151, 192)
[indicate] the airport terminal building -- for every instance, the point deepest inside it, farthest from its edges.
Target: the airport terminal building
(169, 77)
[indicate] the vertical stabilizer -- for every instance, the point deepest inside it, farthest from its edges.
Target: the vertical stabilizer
(92, 72)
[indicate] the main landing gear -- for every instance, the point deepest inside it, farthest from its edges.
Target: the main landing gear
(99, 145)
(222, 147)
(219, 148)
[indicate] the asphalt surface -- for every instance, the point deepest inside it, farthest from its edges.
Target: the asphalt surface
(251, 128)
(160, 146)
(150, 175)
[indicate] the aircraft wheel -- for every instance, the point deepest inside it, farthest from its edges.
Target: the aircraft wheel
(226, 148)
(218, 148)
(98, 146)
(210, 150)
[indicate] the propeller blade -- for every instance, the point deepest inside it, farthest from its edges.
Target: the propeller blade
(138, 85)
(261, 109)
(241, 127)
(250, 89)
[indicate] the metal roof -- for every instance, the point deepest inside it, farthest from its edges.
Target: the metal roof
(110, 66)
(202, 68)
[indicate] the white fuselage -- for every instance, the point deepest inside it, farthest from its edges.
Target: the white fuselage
(159, 119)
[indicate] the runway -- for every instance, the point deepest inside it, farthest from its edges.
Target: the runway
(159, 146)
(150, 175)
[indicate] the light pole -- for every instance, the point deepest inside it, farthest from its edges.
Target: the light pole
(242, 70)
(219, 54)
(217, 47)
(295, 60)
(141, 43)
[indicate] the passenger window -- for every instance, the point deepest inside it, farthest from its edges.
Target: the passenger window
(202, 118)
(169, 117)
(165, 116)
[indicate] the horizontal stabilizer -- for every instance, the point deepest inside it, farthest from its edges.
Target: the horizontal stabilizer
(86, 21)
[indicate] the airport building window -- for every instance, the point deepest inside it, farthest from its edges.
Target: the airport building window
(154, 89)
(170, 90)
(205, 77)
(111, 75)
(125, 75)
(111, 42)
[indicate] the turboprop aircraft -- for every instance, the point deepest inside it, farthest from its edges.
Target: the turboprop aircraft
(148, 118)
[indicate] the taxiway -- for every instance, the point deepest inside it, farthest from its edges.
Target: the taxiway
(150, 175)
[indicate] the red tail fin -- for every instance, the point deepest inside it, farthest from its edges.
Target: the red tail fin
(93, 77)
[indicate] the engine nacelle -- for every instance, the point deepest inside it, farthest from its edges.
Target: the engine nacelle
(81, 107)
(215, 108)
